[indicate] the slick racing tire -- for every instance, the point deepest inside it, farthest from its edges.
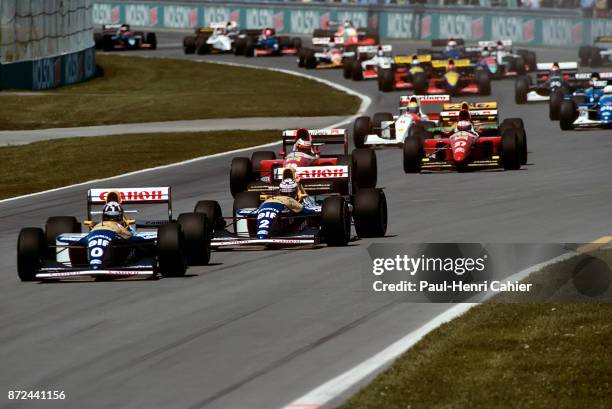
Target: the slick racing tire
(521, 88)
(212, 210)
(335, 221)
(347, 68)
(171, 261)
(240, 175)
(567, 115)
(520, 64)
(107, 42)
(57, 225)
(378, 119)
(484, 83)
(284, 42)
(357, 71)
(517, 123)
(554, 105)
(413, 155)
(419, 80)
(296, 43)
(151, 38)
(361, 128)
(239, 46)
(246, 200)
(370, 213)
(510, 153)
(256, 159)
(386, 80)
(342, 186)
(584, 55)
(196, 234)
(249, 47)
(189, 45)
(365, 171)
(31, 247)
(310, 61)
(98, 41)
(419, 131)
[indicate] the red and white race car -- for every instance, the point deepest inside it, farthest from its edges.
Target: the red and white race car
(319, 172)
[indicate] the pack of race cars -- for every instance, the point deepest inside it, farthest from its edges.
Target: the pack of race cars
(315, 190)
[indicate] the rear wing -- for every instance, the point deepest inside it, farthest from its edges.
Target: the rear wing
(332, 136)
(603, 39)
(407, 59)
(425, 99)
(326, 40)
(442, 42)
(460, 63)
(223, 24)
(505, 43)
(565, 67)
(588, 75)
(480, 112)
(371, 49)
(139, 195)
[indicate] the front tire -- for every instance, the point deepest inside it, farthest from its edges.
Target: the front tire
(413, 155)
(521, 88)
(31, 246)
(386, 80)
(361, 129)
(567, 115)
(370, 213)
(170, 257)
(511, 159)
(364, 167)
(554, 105)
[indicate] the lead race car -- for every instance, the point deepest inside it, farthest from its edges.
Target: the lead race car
(469, 138)
(308, 152)
(115, 246)
(386, 129)
(121, 37)
(287, 216)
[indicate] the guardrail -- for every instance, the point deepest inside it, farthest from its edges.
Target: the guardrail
(559, 28)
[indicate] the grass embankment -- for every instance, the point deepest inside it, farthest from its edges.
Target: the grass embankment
(507, 355)
(50, 164)
(135, 89)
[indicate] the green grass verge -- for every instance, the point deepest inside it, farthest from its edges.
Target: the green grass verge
(45, 165)
(136, 89)
(506, 355)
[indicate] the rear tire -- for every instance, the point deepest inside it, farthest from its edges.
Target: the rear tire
(240, 175)
(256, 159)
(151, 38)
(212, 210)
(419, 80)
(170, 257)
(189, 45)
(365, 171)
(357, 73)
(347, 68)
(197, 238)
(361, 129)
(370, 213)
(521, 88)
(57, 225)
(484, 84)
(510, 150)
(31, 246)
(335, 221)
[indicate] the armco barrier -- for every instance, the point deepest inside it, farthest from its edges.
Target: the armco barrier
(560, 28)
(45, 43)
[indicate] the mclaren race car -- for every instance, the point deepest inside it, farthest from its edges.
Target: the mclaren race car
(121, 37)
(319, 170)
(368, 62)
(386, 129)
(468, 137)
(118, 248)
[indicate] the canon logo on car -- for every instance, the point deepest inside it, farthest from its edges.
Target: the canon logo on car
(322, 172)
(136, 195)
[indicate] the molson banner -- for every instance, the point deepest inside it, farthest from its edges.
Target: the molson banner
(472, 25)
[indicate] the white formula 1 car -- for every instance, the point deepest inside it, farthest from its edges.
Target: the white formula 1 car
(369, 60)
(386, 129)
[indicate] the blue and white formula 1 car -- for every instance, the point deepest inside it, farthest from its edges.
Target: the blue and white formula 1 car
(275, 220)
(591, 108)
(114, 249)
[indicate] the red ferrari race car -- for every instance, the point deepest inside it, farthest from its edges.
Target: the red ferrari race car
(454, 77)
(319, 172)
(469, 138)
(120, 37)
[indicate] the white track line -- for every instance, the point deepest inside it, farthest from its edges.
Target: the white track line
(335, 387)
(365, 103)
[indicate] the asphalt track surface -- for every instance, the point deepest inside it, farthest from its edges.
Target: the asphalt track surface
(258, 329)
